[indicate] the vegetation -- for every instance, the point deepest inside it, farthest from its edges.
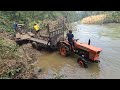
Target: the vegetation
(8, 50)
(7, 18)
(14, 63)
(99, 17)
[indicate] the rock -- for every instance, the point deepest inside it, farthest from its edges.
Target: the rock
(37, 70)
(33, 77)
(1, 31)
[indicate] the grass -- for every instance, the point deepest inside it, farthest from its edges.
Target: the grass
(101, 19)
(10, 73)
(12, 65)
(8, 51)
(97, 19)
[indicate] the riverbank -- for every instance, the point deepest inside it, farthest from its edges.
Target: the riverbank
(15, 61)
(100, 19)
(93, 19)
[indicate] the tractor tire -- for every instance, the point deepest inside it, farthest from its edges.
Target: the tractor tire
(97, 61)
(85, 65)
(34, 45)
(82, 63)
(64, 50)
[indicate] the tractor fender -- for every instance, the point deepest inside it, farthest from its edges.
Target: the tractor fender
(66, 43)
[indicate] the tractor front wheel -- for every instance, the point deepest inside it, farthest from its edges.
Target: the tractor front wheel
(82, 63)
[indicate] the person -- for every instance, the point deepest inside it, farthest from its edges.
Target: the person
(36, 28)
(20, 28)
(15, 26)
(70, 38)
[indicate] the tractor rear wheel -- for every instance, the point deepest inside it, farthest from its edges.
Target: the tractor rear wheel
(64, 50)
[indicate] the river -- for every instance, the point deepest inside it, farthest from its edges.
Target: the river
(105, 36)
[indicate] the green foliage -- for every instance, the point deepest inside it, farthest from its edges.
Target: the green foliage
(112, 16)
(10, 73)
(7, 18)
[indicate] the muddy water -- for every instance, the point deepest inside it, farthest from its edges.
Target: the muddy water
(105, 36)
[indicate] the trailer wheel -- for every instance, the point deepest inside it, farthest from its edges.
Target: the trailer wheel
(64, 50)
(34, 45)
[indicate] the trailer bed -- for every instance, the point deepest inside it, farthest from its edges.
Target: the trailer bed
(38, 40)
(23, 37)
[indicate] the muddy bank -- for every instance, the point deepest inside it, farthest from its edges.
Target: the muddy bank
(16, 62)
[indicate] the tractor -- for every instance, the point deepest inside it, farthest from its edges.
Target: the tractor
(86, 52)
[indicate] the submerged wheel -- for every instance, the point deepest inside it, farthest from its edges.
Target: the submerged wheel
(64, 50)
(85, 65)
(82, 63)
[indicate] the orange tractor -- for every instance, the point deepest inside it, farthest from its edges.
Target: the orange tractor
(86, 52)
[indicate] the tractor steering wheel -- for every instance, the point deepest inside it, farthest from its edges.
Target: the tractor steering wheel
(76, 40)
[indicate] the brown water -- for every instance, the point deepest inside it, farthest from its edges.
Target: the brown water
(103, 36)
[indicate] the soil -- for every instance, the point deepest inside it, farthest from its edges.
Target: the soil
(24, 64)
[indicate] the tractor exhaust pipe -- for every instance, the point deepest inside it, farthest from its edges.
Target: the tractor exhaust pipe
(89, 42)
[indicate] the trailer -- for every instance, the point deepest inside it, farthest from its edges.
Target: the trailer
(48, 41)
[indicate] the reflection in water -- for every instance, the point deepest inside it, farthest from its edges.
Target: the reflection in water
(54, 63)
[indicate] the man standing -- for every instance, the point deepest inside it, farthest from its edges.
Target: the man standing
(70, 37)
(36, 28)
(15, 26)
